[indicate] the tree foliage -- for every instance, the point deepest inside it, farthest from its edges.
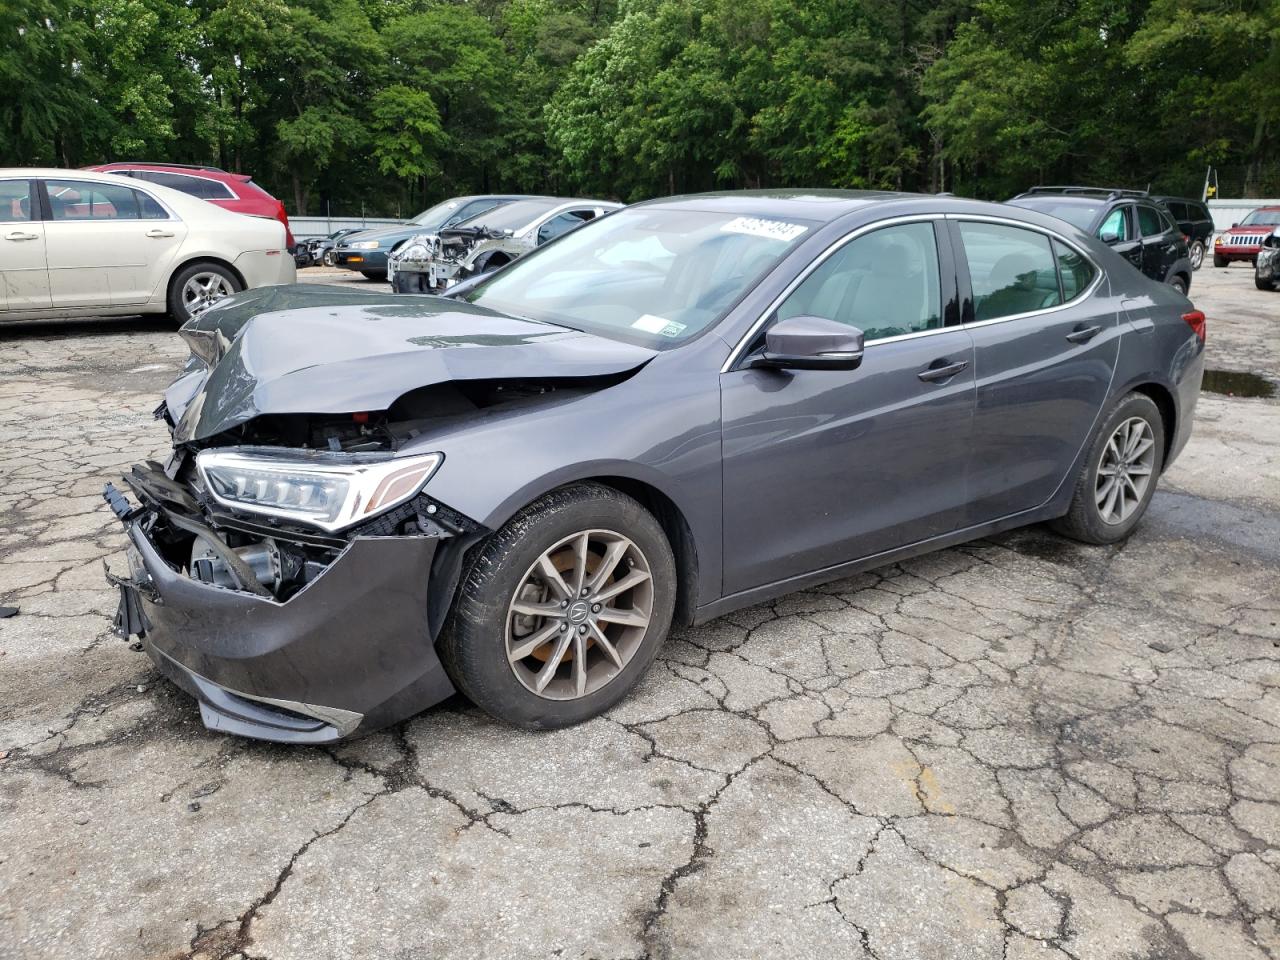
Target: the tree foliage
(390, 104)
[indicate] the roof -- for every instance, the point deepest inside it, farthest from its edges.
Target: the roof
(822, 206)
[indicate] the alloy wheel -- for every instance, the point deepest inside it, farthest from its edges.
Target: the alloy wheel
(1197, 255)
(1124, 472)
(203, 290)
(579, 615)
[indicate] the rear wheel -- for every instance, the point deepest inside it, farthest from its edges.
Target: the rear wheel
(1179, 283)
(562, 610)
(198, 286)
(1119, 473)
(1196, 254)
(1260, 283)
(1220, 261)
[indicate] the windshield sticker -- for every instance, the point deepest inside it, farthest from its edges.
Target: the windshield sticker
(769, 229)
(659, 325)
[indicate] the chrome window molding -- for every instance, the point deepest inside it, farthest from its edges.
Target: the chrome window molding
(739, 349)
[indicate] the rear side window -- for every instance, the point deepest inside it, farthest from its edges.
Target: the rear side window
(1179, 210)
(81, 200)
(1149, 221)
(1011, 270)
(885, 283)
(15, 201)
(1077, 273)
(200, 187)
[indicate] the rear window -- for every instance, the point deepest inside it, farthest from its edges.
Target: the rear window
(1012, 270)
(200, 187)
(15, 200)
(1149, 222)
(83, 200)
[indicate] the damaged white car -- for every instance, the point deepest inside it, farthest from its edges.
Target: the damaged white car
(432, 262)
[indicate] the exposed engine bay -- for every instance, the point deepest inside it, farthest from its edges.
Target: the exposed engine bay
(433, 262)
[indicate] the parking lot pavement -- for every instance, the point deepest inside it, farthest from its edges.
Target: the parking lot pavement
(1022, 748)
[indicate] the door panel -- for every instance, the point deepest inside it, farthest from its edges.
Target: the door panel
(825, 466)
(1042, 378)
(24, 273)
(107, 245)
(1121, 222)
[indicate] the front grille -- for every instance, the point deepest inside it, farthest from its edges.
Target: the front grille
(1244, 240)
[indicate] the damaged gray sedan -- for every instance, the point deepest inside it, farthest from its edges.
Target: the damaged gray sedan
(683, 408)
(433, 262)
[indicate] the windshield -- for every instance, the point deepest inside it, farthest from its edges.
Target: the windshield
(438, 215)
(645, 275)
(1269, 218)
(512, 216)
(1075, 213)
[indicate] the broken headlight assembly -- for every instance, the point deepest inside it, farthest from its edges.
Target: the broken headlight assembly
(323, 489)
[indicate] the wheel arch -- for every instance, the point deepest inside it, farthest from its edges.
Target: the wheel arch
(1162, 397)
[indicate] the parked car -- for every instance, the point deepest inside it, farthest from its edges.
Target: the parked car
(1195, 222)
(231, 191)
(1133, 225)
(688, 406)
(1244, 239)
(78, 243)
(1266, 267)
(319, 250)
(431, 262)
(366, 251)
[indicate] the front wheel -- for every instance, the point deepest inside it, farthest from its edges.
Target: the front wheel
(1179, 283)
(378, 275)
(1261, 284)
(328, 259)
(1220, 261)
(197, 287)
(1118, 476)
(562, 610)
(1196, 254)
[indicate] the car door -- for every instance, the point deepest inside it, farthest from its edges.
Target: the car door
(24, 271)
(1159, 242)
(823, 467)
(108, 244)
(1119, 224)
(1045, 348)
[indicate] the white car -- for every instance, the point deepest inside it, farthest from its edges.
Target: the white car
(75, 243)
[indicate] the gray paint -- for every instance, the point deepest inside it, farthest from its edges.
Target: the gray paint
(785, 478)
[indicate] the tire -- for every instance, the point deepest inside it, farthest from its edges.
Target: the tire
(411, 282)
(1085, 520)
(1220, 261)
(482, 627)
(185, 296)
(379, 275)
(1196, 254)
(328, 258)
(1179, 283)
(1261, 284)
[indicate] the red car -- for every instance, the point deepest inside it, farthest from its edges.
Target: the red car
(1244, 239)
(231, 191)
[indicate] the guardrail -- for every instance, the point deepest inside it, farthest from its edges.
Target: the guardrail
(304, 228)
(1228, 210)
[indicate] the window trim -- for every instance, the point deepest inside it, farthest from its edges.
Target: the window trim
(46, 203)
(1088, 291)
(34, 205)
(740, 348)
(135, 173)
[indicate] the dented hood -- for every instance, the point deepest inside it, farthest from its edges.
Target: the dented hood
(305, 349)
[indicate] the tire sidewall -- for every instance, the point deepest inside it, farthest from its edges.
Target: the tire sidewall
(178, 309)
(1197, 254)
(476, 632)
(1135, 404)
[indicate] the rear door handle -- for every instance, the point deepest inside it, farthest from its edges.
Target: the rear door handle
(1083, 335)
(157, 232)
(933, 374)
(20, 235)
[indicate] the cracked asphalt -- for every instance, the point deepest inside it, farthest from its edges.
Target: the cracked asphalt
(1021, 748)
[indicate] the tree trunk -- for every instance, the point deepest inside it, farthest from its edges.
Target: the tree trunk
(299, 195)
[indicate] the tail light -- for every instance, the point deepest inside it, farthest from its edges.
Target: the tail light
(1195, 320)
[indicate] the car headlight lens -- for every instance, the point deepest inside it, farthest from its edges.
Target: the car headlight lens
(322, 489)
(365, 245)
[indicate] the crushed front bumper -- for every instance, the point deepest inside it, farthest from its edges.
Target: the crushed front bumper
(349, 653)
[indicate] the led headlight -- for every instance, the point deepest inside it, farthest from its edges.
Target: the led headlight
(364, 245)
(326, 490)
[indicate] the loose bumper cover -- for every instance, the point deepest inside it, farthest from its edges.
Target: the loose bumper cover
(352, 651)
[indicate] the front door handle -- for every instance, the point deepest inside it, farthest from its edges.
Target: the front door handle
(1083, 335)
(21, 235)
(946, 372)
(157, 232)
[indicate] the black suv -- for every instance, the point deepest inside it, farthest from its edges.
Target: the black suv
(1134, 225)
(1195, 222)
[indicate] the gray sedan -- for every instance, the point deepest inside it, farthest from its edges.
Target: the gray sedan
(684, 408)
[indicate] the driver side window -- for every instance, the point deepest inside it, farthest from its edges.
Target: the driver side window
(1116, 223)
(885, 283)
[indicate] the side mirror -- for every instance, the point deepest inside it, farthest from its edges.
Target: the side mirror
(1234, 225)
(811, 343)
(1109, 237)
